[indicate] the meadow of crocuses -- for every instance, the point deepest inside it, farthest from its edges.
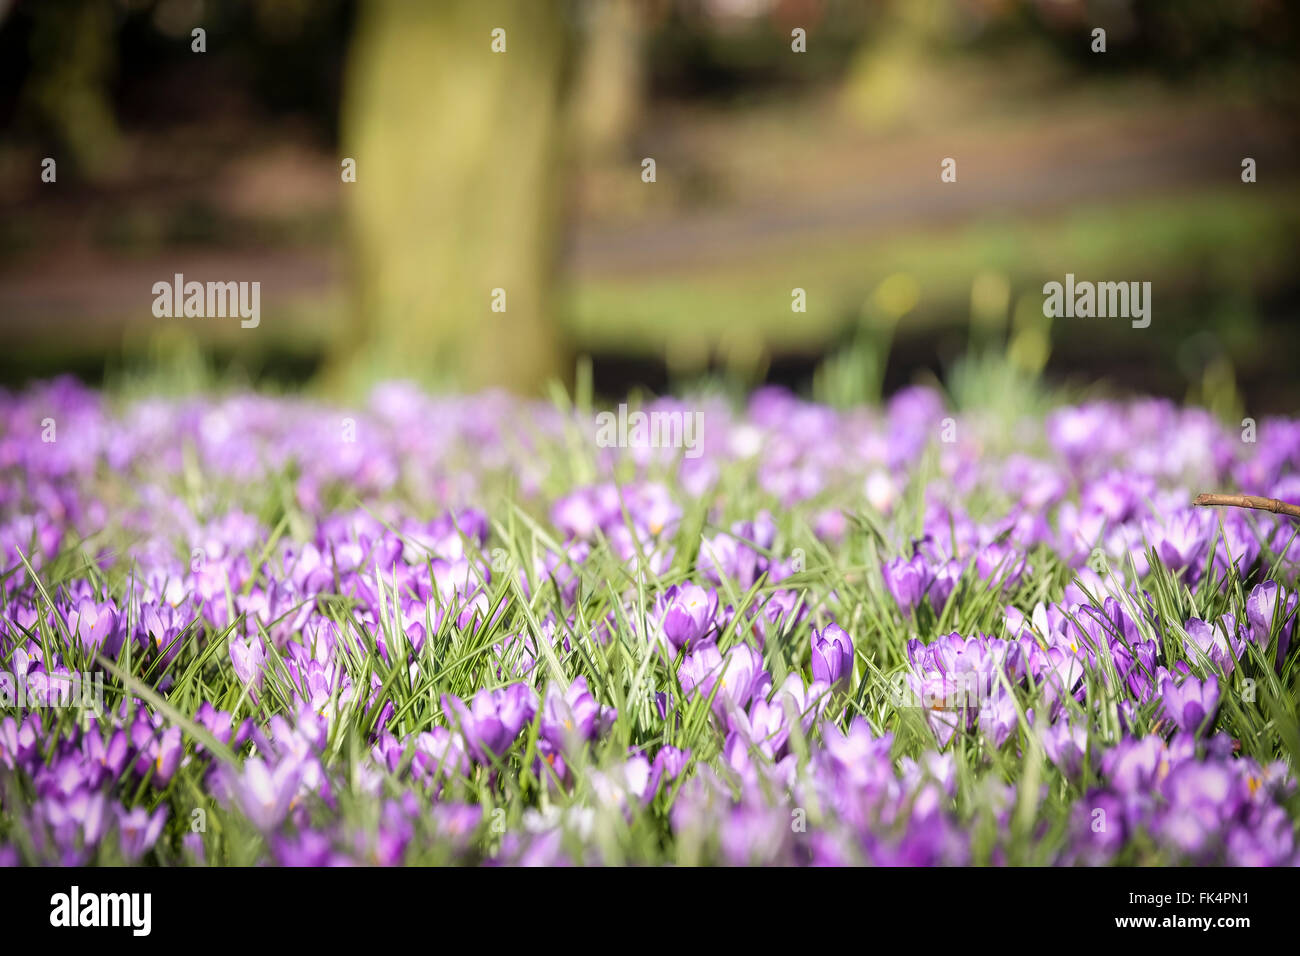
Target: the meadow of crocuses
(455, 630)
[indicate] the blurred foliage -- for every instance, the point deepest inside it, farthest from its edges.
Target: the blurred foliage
(72, 72)
(147, 125)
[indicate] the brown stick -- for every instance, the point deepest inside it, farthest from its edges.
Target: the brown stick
(1250, 501)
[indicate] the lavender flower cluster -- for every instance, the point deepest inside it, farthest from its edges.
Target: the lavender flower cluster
(456, 630)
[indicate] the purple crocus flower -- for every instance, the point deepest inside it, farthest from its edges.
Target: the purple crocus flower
(577, 514)
(1061, 676)
(83, 811)
(1134, 764)
(736, 674)
(766, 727)
(998, 717)
(907, 581)
(572, 716)
(668, 765)
(193, 844)
(161, 626)
(139, 830)
(1262, 610)
(688, 614)
(1220, 643)
(1065, 744)
(248, 659)
(95, 627)
(1100, 826)
(1181, 541)
(754, 835)
(1190, 702)
(440, 752)
(308, 848)
(1211, 785)
(266, 794)
(160, 751)
(943, 583)
(1203, 797)
(832, 657)
(457, 821)
(802, 704)
(111, 756)
(221, 725)
(493, 719)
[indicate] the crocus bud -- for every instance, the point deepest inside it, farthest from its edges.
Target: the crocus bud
(832, 656)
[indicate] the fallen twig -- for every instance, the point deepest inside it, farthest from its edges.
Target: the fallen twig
(1249, 501)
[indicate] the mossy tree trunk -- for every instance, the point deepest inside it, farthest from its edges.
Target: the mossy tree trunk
(457, 191)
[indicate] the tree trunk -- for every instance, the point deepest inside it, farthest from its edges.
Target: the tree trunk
(457, 191)
(609, 87)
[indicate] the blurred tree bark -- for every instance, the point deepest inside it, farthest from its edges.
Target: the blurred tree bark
(609, 88)
(457, 191)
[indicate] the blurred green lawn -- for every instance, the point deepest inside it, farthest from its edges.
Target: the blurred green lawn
(1235, 238)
